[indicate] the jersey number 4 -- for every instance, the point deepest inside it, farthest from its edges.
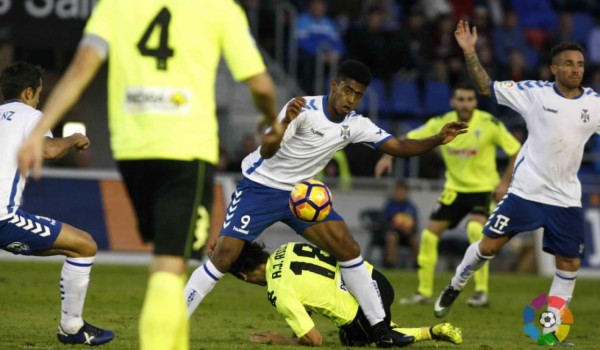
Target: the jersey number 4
(163, 51)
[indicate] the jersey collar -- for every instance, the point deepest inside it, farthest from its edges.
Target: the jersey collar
(326, 111)
(563, 96)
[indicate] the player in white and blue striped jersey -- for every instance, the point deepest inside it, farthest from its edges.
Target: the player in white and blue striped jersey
(309, 130)
(545, 192)
(27, 234)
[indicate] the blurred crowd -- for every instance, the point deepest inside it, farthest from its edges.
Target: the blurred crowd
(409, 46)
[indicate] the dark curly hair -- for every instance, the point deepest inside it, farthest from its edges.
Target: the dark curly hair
(253, 255)
(355, 70)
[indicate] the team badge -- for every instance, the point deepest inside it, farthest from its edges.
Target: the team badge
(345, 132)
(585, 116)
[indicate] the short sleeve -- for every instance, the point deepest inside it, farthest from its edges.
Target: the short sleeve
(239, 48)
(369, 133)
(426, 130)
(99, 23)
(32, 123)
(514, 95)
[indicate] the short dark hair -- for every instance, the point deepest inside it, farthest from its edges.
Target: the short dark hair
(463, 86)
(355, 70)
(18, 77)
(566, 46)
(252, 256)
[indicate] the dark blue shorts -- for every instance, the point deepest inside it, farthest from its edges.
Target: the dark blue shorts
(255, 207)
(26, 233)
(563, 227)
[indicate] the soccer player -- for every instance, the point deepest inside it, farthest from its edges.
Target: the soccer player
(302, 279)
(163, 57)
(471, 181)
(308, 132)
(27, 234)
(545, 191)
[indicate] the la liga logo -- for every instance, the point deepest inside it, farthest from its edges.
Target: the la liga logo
(547, 319)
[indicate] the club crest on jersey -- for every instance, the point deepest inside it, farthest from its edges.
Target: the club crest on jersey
(585, 116)
(345, 132)
(477, 133)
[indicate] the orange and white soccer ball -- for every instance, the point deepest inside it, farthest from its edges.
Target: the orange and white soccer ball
(311, 200)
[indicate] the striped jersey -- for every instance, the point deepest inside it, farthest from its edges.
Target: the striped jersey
(309, 144)
(16, 122)
(294, 272)
(558, 128)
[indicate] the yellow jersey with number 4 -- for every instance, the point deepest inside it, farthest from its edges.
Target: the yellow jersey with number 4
(471, 158)
(163, 57)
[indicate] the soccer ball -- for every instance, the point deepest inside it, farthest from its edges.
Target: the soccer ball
(310, 200)
(547, 319)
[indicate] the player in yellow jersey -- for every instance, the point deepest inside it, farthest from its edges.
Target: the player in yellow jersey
(472, 181)
(163, 58)
(302, 279)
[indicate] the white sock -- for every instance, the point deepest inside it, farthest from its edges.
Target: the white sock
(471, 262)
(74, 280)
(356, 275)
(562, 286)
(201, 282)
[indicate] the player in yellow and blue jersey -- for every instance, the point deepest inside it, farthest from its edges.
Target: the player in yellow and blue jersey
(302, 279)
(163, 58)
(472, 183)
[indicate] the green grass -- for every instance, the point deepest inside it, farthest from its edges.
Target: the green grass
(30, 309)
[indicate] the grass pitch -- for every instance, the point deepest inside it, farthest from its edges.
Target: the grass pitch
(30, 310)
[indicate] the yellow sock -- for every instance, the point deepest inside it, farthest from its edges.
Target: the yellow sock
(182, 340)
(481, 276)
(427, 259)
(420, 334)
(164, 320)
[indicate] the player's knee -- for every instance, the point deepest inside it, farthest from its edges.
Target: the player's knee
(347, 250)
(86, 247)
(567, 264)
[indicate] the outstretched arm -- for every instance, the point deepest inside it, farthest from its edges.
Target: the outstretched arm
(410, 147)
(312, 338)
(466, 40)
(64, 95)
(55, 148)
(271, 141)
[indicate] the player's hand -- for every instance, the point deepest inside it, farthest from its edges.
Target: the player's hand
(451, 130)
(267, 337)
(294, 108)
(31, 156)
(384, 165)
(81, 141)
(465, 37)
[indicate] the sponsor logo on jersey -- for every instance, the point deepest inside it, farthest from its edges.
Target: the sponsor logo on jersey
(550, 110)
(585, 116)
(157, 100)
(316, 132)
(507, 84)
(463, 153)
(345, 132)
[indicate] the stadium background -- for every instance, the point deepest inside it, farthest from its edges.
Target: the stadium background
(409, 46)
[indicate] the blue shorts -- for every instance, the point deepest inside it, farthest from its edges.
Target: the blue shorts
(26, 233)
(563, 227)
(254, 207)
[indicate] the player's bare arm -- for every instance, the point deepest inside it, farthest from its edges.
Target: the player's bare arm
(312, 338)
(82, 70)
(271, 141)
(412, 147)
(56, 148)
(263, 94)
(466, 39)
(502, 187)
